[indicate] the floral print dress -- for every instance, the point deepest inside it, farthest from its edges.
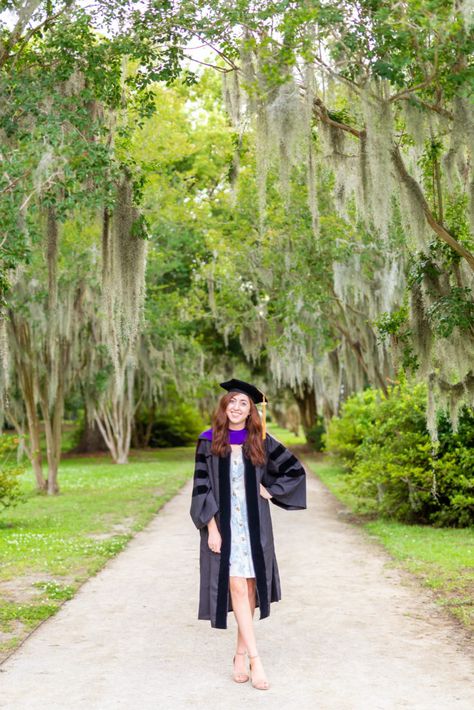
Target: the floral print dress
(241, 564)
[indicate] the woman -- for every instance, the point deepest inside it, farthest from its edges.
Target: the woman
(239, 468)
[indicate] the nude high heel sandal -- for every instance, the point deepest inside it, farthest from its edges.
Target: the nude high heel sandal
(239, 677)
(262, 684)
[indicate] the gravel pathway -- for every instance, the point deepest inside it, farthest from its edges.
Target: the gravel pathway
(351, 632)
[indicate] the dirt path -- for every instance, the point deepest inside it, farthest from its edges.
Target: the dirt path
(351, 632)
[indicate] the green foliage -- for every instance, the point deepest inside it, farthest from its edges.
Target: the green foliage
(447, 310)
(10, 492)
(178, 424)
(395, 325)
(29, 614)
(72, 96)
(394, 470)
(346, 433)
(455, 309)
(315, 435)
(80, 104)
(423, 266)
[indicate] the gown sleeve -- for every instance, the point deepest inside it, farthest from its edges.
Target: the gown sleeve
(203, 502)
(284, 477)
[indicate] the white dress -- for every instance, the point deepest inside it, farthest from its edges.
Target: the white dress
(241, 564)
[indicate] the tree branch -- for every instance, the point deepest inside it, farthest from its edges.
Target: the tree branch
(415, 189)
(406, 92)
(410, 182)
(323, 114)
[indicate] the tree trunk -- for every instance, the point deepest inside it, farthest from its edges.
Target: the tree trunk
(58, 413)
(141, 434)
(34, 448)
(114, 416)
(91, 440)
(149, 426)
(27, 387)
(102, 419)
(52, 417)
(27, 380)
(53, 428)
(306, 401)
(115, 425)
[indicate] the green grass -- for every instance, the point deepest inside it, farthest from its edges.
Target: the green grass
(288, 438)
(442, 558)
(333, 477)
(50, 544)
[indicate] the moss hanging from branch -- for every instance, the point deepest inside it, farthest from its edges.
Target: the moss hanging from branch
(380, 167)
(123, 290)
(378, 119)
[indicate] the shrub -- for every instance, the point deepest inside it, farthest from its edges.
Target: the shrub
(315, 434)
(10, 470)
(346, 433)
(176, 425)
(394, 468)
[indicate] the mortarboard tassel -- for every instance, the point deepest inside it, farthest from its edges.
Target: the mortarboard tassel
(264, 419)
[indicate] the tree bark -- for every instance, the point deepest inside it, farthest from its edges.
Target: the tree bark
(26, 371)
(34, 437)
(53, 411)
(114, 420)
(306, 401)
(53, 417)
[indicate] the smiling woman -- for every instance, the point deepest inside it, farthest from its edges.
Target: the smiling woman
(239, 468)
(238, 410)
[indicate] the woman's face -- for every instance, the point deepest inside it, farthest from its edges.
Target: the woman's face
(238, 410)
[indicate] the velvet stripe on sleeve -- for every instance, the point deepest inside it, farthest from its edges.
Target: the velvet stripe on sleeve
(203, 502)
(285, 477)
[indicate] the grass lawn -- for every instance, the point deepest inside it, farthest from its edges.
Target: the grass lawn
(443, 558)
(50, 545)
(288, 438)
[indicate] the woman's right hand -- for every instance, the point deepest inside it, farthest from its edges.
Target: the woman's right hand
(214, 537)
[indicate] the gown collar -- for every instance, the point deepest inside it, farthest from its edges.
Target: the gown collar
(236, 437)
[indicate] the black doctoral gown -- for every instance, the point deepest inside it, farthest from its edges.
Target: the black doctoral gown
(285, 478)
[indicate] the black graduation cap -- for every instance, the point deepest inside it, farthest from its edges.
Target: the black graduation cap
(251, 391)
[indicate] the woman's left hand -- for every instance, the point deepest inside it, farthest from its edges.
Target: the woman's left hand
(264, 493)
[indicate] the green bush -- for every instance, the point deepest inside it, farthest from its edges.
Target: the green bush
(315, 435)
(346, 433)
(177, 425)
(10, 470)
(394, 469)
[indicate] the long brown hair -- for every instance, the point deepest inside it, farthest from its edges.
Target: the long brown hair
(253, 446)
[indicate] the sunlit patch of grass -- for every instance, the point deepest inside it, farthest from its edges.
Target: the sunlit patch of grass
(52, 590)
(287, 438)
(29, 614)
(335, 479)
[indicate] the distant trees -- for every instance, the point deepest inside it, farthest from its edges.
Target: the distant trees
(319, 231)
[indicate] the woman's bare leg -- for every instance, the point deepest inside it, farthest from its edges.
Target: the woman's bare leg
(243, 610)
(240, 660)
(251, 589)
